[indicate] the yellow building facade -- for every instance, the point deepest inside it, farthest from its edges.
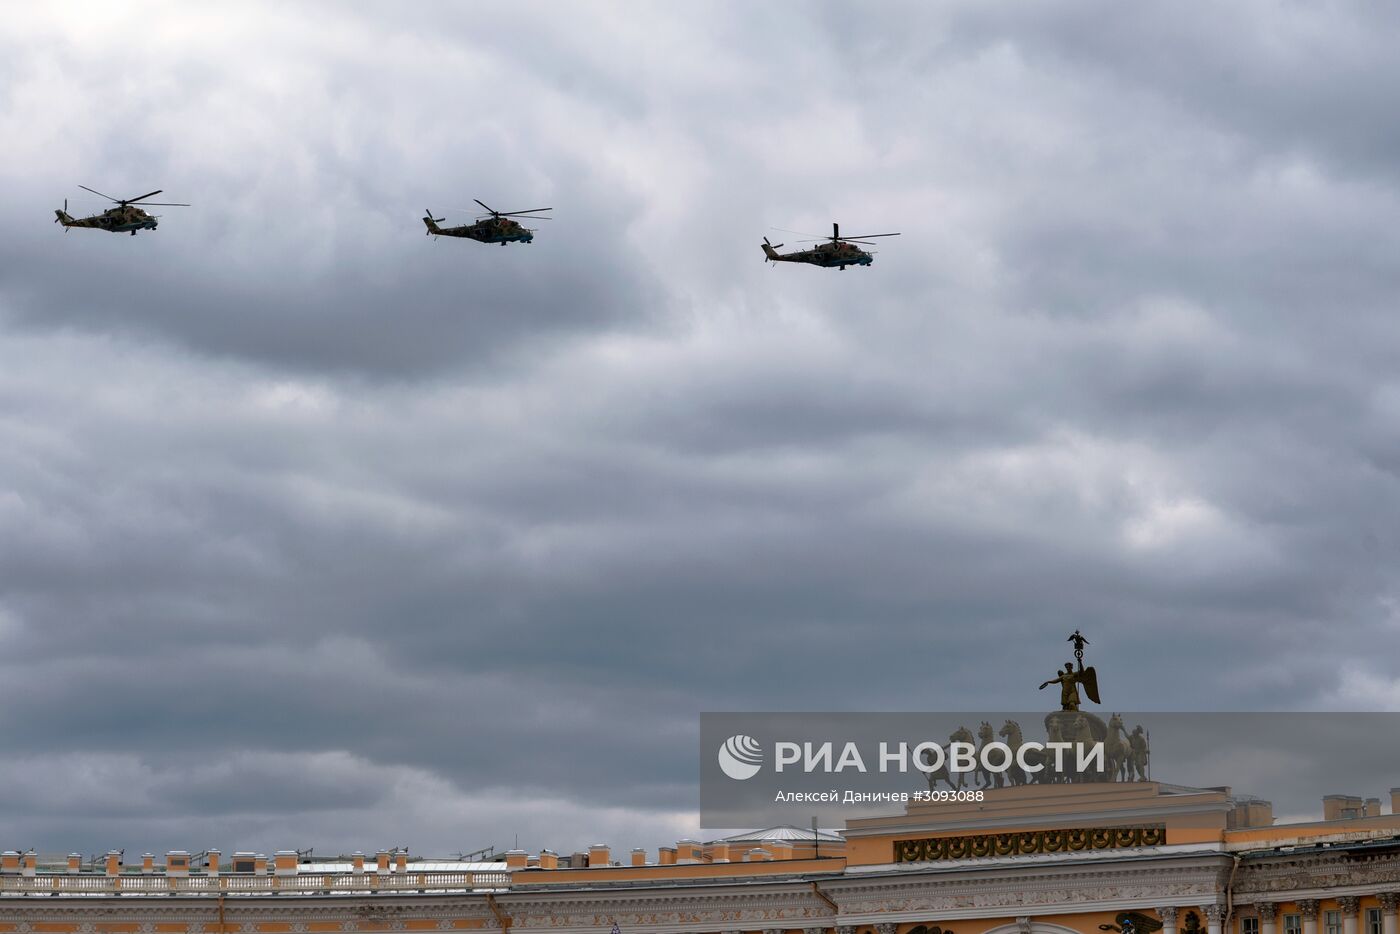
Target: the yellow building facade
(1147, 857)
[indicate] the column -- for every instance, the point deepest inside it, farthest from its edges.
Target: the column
(1215, 917)
(1350, 905)
(1268, 917)
(1307, 907)
(1389, 901)
(1168, 916)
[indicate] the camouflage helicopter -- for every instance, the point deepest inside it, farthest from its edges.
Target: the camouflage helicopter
(494, 227)
(125, 217)
(835, 251)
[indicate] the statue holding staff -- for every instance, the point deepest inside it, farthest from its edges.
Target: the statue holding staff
(1069, 680)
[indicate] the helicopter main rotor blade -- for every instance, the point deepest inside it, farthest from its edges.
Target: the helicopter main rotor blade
(162, 204)
(149, 194)
(526, 211)
(869, 236)
(96, 192)
(483, 204)
(528, 217)
(802, 233)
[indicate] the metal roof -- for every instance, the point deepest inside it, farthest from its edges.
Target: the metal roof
(422, 865)
(784, 832)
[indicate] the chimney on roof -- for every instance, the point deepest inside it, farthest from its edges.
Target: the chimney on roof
(211, 862)
(549, 859)
(381, 860)
(688, 851)
(639, 856)
(30, 864)
(401, 861)
(516, 859)
(666, 856)
(1341, 807)
(284, 862)
(1372, 808)
(177, 863)
(148, 863)
(599, 856)
(1395, 800)
(260, 864)
(75, 862)
(1250, 812)
(357, 861)
(113, 862)
(9, 862)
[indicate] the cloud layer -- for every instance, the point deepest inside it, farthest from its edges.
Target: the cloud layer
(315, 531)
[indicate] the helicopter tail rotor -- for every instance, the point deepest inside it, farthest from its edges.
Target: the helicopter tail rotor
(770, 251)
(431, 223)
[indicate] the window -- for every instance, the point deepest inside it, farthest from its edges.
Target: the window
(1373, 921)
(1249, 925)
(243, 865)
(1292, 924)
(1333, 920)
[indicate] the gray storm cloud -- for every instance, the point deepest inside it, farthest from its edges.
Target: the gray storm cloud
(314, 531)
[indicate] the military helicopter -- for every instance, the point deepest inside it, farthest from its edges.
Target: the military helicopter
(494, 227)
(125, 217)
(836, 251)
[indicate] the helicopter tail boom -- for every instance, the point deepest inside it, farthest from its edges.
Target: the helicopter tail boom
(769, 252)
(63, 218)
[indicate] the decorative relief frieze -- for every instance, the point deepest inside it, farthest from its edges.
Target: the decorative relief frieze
(974, 846)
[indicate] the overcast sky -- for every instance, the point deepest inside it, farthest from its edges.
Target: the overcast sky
(315, 531)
